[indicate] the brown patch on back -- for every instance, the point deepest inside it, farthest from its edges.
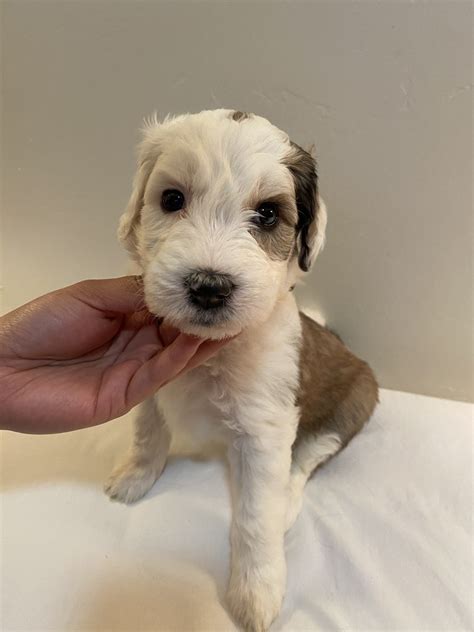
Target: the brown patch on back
(338, 392)
(240, 116)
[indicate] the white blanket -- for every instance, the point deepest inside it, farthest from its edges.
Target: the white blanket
(383, 541)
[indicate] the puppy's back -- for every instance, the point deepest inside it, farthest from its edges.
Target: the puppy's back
(337, 391)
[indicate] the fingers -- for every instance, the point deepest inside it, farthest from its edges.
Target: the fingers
(184, 353)
(123, 294)
(168, 333)
(162, 368)
(205, 351)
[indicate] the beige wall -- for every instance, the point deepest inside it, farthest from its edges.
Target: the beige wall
(384, 89)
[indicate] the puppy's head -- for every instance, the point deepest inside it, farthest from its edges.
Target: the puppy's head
(223, 217)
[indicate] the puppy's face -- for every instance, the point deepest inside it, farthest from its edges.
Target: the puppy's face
(223, 214)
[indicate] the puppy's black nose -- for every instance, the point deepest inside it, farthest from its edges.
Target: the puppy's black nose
(209, 289)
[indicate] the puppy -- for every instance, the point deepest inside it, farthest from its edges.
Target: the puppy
(224, 218)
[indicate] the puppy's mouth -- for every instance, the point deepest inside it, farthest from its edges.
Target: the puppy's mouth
(210, 324)
(216, 317)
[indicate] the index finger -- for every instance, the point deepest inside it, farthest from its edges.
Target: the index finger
(122, 294)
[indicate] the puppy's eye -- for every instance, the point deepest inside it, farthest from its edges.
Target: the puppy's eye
(267, 214)
(172, 200)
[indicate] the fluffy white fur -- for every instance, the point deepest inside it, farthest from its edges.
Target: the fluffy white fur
(245, 396)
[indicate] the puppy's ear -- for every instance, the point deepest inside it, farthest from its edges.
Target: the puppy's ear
(312, 216)
(130, 219)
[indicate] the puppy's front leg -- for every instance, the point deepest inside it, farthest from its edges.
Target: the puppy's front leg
(147, 457)
(260, 468)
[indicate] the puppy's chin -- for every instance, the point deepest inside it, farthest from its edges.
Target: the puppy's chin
(203, 326)
(209, 332)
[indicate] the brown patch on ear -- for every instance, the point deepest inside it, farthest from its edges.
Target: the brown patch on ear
(302, 167)
(240, 116)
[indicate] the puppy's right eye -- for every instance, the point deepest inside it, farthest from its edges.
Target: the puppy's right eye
(172, 200)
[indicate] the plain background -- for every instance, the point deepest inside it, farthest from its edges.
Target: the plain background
(384, 89)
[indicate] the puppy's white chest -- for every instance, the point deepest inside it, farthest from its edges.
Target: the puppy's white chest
(219, 392)
(199, 408)
(249, 384)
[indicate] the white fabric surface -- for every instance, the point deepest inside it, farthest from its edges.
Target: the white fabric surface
(383, 541)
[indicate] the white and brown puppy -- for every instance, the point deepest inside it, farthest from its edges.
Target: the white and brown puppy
(224, 217)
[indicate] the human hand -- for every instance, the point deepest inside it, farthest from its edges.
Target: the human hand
(85, 354)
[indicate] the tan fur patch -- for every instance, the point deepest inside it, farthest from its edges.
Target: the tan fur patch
(278, 241)
(338, 392)
(131, 218)
(240, 116)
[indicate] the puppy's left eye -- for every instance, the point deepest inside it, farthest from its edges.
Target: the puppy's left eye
(267, 214)
(172, 200)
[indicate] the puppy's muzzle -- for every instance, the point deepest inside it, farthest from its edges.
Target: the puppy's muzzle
(208, 289)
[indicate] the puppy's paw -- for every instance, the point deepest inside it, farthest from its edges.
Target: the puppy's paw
(254, 599)
(130, 482)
